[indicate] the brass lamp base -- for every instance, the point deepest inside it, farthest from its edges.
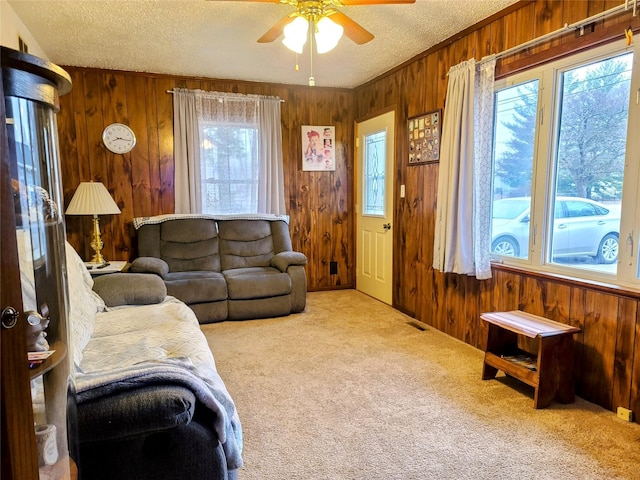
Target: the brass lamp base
(96, 242)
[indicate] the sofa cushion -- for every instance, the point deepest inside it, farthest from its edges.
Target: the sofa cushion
(260, 308)
(196, 287)
(256, 282)
(210, 311)
(190, 245)
(245, 243)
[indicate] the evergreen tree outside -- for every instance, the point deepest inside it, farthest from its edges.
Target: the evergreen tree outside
(515, 130)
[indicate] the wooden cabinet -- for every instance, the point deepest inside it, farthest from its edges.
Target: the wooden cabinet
(38, 397)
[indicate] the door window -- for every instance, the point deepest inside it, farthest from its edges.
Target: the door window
(375, 147)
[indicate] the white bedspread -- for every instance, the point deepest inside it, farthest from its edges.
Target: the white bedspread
(151, 344)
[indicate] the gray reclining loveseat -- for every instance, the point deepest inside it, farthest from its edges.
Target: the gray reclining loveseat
(224, 267)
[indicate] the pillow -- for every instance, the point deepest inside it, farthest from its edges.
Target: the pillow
(84, 303)
(130, 289)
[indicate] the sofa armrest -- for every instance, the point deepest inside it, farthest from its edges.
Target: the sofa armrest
(283, 260)
(130, 289)
(126, 440)
(140, 410)
(150, 265)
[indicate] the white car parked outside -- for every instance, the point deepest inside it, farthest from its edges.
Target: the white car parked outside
(581, 227)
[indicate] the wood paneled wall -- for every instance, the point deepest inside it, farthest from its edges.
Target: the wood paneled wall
(607, 369)
(141, 182)
(321, 204)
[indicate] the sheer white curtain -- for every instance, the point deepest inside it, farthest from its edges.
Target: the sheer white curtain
(243, 116)
(485, 78)
(186, 153)
(271, 179)
(461, 241)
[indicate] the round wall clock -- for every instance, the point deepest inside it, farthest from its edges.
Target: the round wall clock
(119, 138)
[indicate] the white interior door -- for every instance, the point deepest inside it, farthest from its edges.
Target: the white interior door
(375, 147)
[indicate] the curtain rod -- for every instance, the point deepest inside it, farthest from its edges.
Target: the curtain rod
(281, 100)
(566, 28)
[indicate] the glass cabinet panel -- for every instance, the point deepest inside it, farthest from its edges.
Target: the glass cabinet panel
(31, 92)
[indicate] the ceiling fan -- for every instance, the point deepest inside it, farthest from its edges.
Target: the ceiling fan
(315, 10)
(322, 18)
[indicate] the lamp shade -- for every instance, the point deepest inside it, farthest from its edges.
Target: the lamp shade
(328, 34)
(92, 198)
(295, 34)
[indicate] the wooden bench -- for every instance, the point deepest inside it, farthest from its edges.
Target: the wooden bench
(550, 372)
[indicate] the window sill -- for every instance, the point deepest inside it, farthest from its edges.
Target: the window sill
(571, 281)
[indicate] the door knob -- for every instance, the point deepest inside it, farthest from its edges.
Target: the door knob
(9, 317)
(386, 226)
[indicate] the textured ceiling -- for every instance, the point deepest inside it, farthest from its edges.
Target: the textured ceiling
(217, 39)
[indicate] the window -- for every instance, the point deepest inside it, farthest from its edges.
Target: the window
(565, 167)
(228, 153)
(515, 128)
(229, 170)
(375, 154)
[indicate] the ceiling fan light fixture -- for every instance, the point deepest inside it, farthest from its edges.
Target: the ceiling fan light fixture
(327, 35)
(295, 34)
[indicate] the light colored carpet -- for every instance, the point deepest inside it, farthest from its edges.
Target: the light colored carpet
(349, 389)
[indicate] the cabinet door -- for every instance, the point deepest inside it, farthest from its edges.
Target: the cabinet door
(38, 392)
(19, 459)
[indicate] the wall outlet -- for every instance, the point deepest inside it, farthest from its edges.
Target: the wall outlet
(625, 414)
(333, 268)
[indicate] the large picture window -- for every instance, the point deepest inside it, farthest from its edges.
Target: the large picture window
(565, 167)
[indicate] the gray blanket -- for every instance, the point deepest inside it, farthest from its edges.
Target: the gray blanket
(209, 391)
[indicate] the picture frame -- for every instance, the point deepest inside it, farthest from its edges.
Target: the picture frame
(318, 148)
(424, 133)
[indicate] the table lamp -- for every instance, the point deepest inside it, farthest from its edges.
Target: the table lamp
(93, 198)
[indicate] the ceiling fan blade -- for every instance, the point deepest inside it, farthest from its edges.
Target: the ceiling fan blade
(353, 30)
(374, 2)
(275, 31)
(261, 1)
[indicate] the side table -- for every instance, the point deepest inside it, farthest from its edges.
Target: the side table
(111, 267)
(550, 372)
